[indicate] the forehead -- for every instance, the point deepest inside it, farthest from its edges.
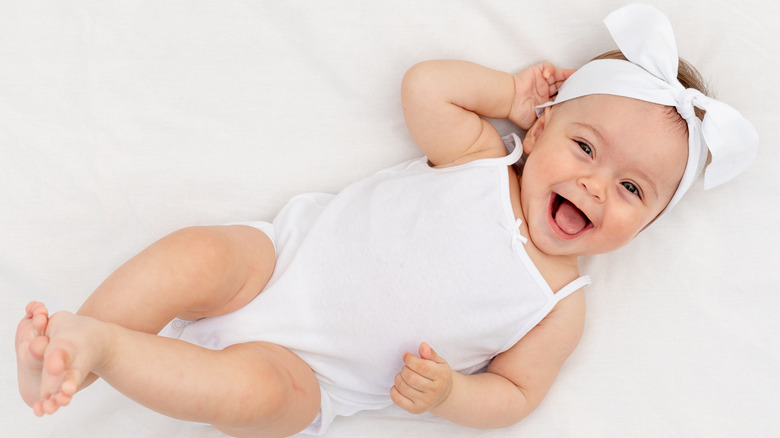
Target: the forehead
(623, 116)
(645, 135)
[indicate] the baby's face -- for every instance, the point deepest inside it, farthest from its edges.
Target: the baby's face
(600, 168)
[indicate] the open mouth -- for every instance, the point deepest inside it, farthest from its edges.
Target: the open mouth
(566, 219)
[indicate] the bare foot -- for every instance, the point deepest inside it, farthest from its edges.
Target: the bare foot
(76, 346)
(31, 343)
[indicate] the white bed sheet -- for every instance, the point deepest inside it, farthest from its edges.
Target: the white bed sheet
(123, 121)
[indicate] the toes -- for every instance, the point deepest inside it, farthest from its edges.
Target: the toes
(70, 385)
(36, 313)
(35, 308)
(43, 407)
(40, 320)
(63, 399)
(51, 402)
(46, 406)
(50, 406)
(55, 362)
(60, 350)
(38, 347)
(38, 408)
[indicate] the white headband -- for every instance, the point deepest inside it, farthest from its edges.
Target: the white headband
(645, 37)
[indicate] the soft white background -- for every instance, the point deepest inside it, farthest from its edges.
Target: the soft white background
(121, 121)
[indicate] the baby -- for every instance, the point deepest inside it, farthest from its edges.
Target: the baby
(447, 284)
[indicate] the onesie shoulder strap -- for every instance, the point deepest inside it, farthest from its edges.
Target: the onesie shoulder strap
(575, 285)
(514, 147)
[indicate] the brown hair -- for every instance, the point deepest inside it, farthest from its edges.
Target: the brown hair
(687, 74)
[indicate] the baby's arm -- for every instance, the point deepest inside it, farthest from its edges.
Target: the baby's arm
(443, 102)
(515, 383)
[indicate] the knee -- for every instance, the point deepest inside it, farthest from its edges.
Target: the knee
(265, 396)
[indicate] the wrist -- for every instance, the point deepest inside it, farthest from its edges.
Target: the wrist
(514, 102)
(440, 408)
(521, 111)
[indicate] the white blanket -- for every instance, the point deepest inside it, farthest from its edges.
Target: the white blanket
(123, 121)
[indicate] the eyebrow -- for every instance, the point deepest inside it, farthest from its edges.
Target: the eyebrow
(649, 181)
(593, 130)
(642, 175)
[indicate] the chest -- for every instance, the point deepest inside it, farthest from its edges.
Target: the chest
(436, 252)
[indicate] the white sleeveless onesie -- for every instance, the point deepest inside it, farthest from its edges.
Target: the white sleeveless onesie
(410, 254)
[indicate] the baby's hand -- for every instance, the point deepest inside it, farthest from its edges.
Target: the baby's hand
(534, 86)
(424, 382)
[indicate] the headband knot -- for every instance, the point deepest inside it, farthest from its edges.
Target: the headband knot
(686, 101)
(645, 36)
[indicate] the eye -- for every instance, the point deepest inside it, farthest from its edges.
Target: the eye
(631, 187)
(585, 147)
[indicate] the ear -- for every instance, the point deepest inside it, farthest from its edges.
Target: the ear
(536, 130)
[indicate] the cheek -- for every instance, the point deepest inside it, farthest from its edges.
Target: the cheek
(621, 227)
(546, 164)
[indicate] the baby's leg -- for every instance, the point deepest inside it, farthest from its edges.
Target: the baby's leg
(192, 273)
(31, 343)
(241, 390)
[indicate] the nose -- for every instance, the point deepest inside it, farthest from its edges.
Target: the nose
(594, 186)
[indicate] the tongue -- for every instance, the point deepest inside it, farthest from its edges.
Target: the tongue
(569, 218)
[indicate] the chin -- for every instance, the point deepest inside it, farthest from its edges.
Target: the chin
(575, 247)
(557, 249)
(606, 249)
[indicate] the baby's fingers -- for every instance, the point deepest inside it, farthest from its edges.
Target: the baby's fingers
(556, 78)
(406, 397)
(564, 73)
(548, 71)
(415, 380)
(561, 75)
(552, 74)
(405, 388)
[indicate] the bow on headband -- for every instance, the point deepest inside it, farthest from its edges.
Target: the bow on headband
(645, 37)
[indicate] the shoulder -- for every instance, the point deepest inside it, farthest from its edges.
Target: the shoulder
(557, 334)
(570, 312)
(567, 317)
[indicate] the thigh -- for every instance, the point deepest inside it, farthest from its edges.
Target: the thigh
(191, 273)
(293, 404)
